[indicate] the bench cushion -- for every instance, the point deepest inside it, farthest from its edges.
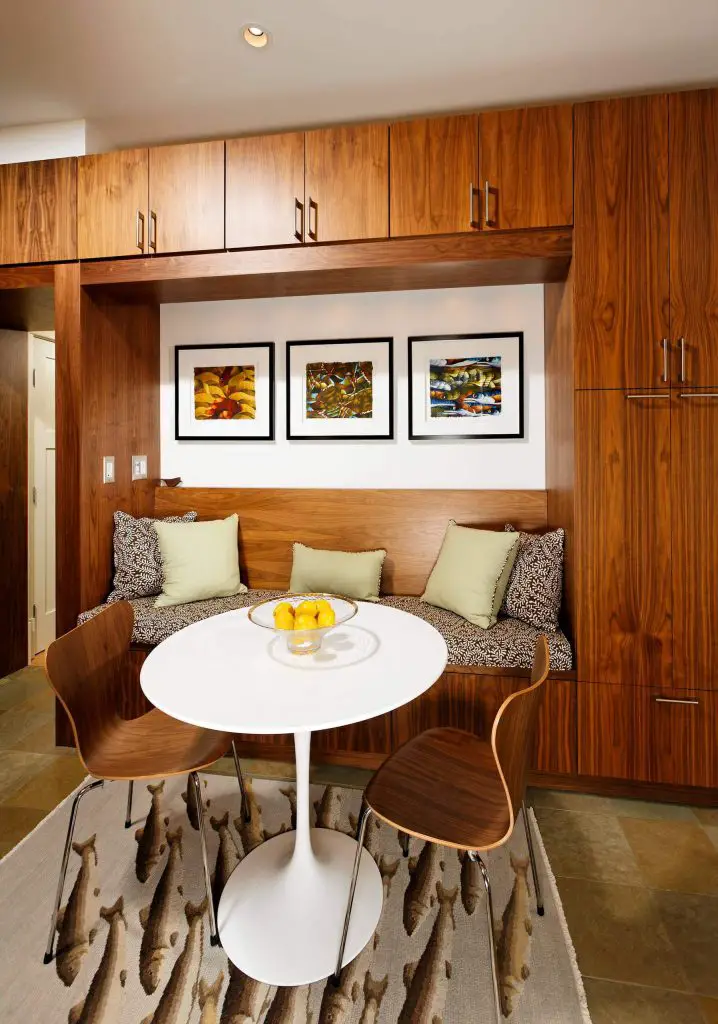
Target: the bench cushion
(508, 644)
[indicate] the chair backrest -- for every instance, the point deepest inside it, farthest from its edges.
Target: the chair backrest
(84, 668)
(514, 730)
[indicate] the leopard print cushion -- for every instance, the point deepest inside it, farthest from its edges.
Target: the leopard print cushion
(508, 644)
(535, 586)
(138, 564)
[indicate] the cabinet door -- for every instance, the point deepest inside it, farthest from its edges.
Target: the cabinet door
(614, 731)
(347, 183)
(683, 738)
(694, 235)
(624, 623)
(265, 191)
(187, 197)
(112, 191)
(526, 167)
(38, 211)
(433, 177)
(621, 242)
(694, 458)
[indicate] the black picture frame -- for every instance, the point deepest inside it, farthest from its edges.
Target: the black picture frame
(269, 436)
(518, 435)
(293, 346)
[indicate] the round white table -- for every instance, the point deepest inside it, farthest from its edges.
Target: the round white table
(282, 911)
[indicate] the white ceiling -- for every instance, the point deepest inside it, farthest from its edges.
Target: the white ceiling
(153, 70)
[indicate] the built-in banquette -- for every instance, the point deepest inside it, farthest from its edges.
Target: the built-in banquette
(613, 205)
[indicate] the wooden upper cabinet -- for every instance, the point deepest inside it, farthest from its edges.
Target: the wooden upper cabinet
(186, 197)
(694, 459)
(621, 243)
(526, 167)
(623, 536)
(265, 191)
(347, 183)
(112, 193)
(433, 175)
(694, 236)
(38, 211)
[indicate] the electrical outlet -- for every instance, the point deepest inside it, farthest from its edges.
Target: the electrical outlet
(108, 469)
(139, 467)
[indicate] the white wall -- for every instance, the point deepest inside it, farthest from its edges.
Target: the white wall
(392, 464)
(42, 141)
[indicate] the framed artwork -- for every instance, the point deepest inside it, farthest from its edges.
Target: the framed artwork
(466, 386)
(224, 392)
(340, 390)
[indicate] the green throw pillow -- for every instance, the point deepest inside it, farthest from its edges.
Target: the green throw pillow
(471, 573)
(199, 561)
(354, 574)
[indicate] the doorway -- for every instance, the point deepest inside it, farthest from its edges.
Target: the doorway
(41, 492)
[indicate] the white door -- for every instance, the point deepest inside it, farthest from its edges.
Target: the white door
(41, 452)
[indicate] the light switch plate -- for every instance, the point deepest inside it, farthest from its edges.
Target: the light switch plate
(108, 469)
(139, 467)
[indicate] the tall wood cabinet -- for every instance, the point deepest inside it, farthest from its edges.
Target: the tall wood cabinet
(38, 211)
(112, 202)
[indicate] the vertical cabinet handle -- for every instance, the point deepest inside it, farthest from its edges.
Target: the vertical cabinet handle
(153, 231)
(488, 192)
(682, 347)
(473, 222)
(313, 233)
(298, 220)
(664, 344)
(140, 231)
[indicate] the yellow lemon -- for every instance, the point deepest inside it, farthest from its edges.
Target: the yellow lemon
(326, 617)
(305, 622)
(284, 620)
(307, 608)
(323, 606)
(284, 607)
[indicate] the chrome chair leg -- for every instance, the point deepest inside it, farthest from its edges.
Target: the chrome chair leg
(63, 869)
(214, 933)
(361, 830)
(128, 815)
(492, 934)
(532, 858)
(245, 804)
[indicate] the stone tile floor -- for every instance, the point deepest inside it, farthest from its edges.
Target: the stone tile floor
(638, 880)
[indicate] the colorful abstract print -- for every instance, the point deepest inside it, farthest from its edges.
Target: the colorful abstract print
(339, 390)
(224, 393)
(465, 387)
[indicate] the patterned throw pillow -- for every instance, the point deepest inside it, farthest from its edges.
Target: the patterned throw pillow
(138, 565)
(536, 583)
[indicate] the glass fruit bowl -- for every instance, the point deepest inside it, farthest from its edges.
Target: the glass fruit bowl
(303, 619)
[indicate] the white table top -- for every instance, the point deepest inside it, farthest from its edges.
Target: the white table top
(226, 673)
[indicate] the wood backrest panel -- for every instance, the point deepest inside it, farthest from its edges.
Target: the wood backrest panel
(409, 524)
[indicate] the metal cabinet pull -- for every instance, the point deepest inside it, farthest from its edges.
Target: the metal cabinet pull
(664, 343)
(313, 234)
(698, 394)
(489, 191)
(649, 396)
(299, 230)
(473, 222)
(682, 347)
(140, 231)
(676, 700)
(153, 231)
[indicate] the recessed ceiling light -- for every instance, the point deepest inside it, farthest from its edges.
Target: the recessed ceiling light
(255, 35)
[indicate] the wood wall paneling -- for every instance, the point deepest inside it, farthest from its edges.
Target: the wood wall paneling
(187, 197)
(410, 524)
(433, 175)
(265, 191)
(526, 156)
(694, 234)
(13, 500)
(624, 625)
(347, 178)
(38, 211)
(112, 204)
(621, 242)
(694, 500)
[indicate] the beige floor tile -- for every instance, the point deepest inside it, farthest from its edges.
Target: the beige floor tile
(19, 722)
(692, 924)
(619, 935)
(40, 740)
(710, 1010)
(651, 810)
(21, 685)
(16, 822)
(17, 768)
(591, 846)
(566, 801)
(706, 815)
(673, 855)
(6, 847)
(612, 1003)
(50, 785)
(712, 833)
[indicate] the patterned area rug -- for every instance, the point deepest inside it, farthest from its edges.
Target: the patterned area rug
(133, 943)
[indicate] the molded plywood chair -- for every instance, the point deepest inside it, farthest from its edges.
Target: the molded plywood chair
(449, 787)
(84, 669)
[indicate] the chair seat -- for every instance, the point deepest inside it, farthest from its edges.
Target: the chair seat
(443, 786)
(153, 745)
